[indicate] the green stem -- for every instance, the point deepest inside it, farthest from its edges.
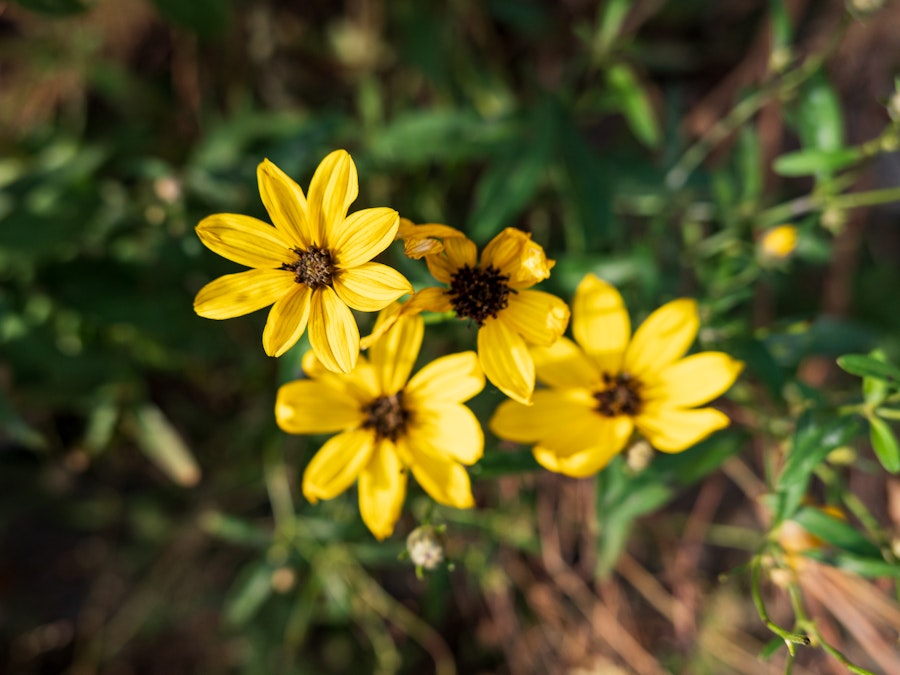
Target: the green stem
(888, 413)
(790, 639)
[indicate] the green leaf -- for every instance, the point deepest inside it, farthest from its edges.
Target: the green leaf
(884, 443)
(820, 120)
(866, 567)
(634, 104)
(250, 591)
(771, 647)
(56, 7)
(206, 18)
(812, 442)
(835, 531)
(815, 161)
(749, 164)
(782, 30)
(868, 366)
(164, 446)
(611, 20)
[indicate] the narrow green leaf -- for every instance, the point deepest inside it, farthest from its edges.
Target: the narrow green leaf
(610, 24)
(884, 443)
(836, 532)
(814, 161)
(750, 164)
(771, 647)
(634, 104)
(868, 366)
(782, 30)
(820, 119)
(250, 591)
(866, 567)
(164, 446)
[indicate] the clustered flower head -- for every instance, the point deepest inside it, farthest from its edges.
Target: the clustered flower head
(314, 264)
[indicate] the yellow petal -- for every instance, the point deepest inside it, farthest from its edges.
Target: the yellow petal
(458, 252)
(313, 407)
(333, 188)
(431, 299)
(515, 255)
(663, 338)
(537, 316)
(444, 480)
(245, 240)
(611, 439)
(362, 236)
(563, 365)
(425, 239)
(553, 410)
(675, 429)
(285, 203)
(505, 360)
(447, 431)
(600, 323)
(242, 293)
(394, 355)
(449, 379)
(333, 333)
(694, 380)
(287, 320)
(382, 490)
(370, 286)
(337, 464)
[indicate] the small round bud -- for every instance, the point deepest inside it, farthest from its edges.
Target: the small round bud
(424, 547)
(779, 242)
(639, 456)
(283, 579)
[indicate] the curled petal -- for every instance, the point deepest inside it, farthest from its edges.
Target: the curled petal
(362, 236)
(563, 365)
(676, 429)
(449, 431)
(334, 186)
(333, 333)
(444, 480)
(611, 438)
(245, 240)
(517, 256)
(285, 203)
(313, 407)
(242, 293)
(425, 239)
(370, 286)
(458, 252)
(694, 380)
(600, 323)
(394, 355)
(663, 338)
(382, 490)
(505, 360)
(449, 379)
(337, 464)
(539, 317)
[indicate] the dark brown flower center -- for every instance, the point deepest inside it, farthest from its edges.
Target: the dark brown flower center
(313, 267)
(387, 416)
(620, 396)
(477, 293)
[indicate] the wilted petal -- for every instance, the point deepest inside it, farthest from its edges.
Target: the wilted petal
(287, 320)
(382, 490)
(517, 256)
(449, 379)
(600, 323)
(370, 286)
(676, 429)
(448, 431)
(394, 355)
(333, 333)
(505, 360)
(663, 338)
(362, 236)
(245, 240)
(333, 188)
(285, 203)
(337, 464)
(313, 407)
(694, 380)
(242, 293)
(539, 317)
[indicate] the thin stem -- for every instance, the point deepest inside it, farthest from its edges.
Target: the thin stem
(790, 639)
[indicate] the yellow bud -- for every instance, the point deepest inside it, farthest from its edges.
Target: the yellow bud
(779, 242)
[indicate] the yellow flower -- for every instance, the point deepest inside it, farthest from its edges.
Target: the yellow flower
(493, 292)
(314, 264)
(389, 423)
(608, 383)
(778, 242)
